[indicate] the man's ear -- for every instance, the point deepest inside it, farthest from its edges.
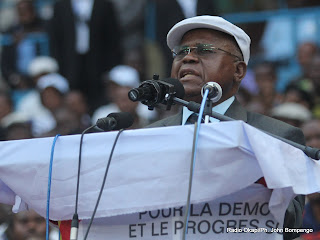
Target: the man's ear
(240, 72)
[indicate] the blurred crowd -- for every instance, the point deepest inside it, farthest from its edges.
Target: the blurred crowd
(65, 64)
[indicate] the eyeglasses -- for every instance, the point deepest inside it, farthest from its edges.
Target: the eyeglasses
(201, 50)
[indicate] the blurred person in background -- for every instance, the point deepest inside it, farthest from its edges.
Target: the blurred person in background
(67, 123)
(85, 40)
(27, 225)
(76, 102)
(267, 96)
(311, 217)
(311, 84)
(18, 129)
(311, 130)
(6, 108)
(53, 88)
(16, 126)
(4, 219)
(292, 113)
(297, 69)
(31, 105)
(6, 105)
(306, 52)
(295, 93)
(132, 26)
(21, 44)
(131, 22)
(315, 83)
(119, 81)
(136, 58)
(40, 66)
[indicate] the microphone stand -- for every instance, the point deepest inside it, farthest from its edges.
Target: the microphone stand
(311, 152)
(207, 110)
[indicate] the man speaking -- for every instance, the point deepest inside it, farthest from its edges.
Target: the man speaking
(211, 49)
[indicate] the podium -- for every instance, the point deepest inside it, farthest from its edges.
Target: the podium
(146, 187)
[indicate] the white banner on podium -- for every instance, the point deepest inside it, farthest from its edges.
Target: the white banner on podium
(150, 170)
(243, 215)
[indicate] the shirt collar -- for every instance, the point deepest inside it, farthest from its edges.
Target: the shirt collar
(220, 108)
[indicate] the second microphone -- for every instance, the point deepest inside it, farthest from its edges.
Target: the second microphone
(152, 92)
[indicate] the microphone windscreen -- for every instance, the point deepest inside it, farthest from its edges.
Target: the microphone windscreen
(177, 86)
(123, 120)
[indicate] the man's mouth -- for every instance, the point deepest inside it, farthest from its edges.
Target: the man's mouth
(187, 73)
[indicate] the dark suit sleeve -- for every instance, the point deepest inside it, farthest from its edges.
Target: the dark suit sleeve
(293, 216)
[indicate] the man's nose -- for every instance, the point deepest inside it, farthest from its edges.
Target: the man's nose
(191, 57)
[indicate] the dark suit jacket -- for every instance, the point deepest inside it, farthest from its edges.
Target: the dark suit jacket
(85, 73)
(293, 217)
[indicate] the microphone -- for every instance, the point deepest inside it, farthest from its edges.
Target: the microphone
(115, 121)
(215, 91)
(152, 92)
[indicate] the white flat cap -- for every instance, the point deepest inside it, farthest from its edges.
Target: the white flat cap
(14, 118)
(292, 111)
(125, 76)
(212, 22)
(54, 80)
(42, 64)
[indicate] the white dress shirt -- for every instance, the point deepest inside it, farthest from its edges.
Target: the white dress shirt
(83, 10)
(220, 108)
(189, 7)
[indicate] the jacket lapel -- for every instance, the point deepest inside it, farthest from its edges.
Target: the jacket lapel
(175, 120)
(237, 112)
